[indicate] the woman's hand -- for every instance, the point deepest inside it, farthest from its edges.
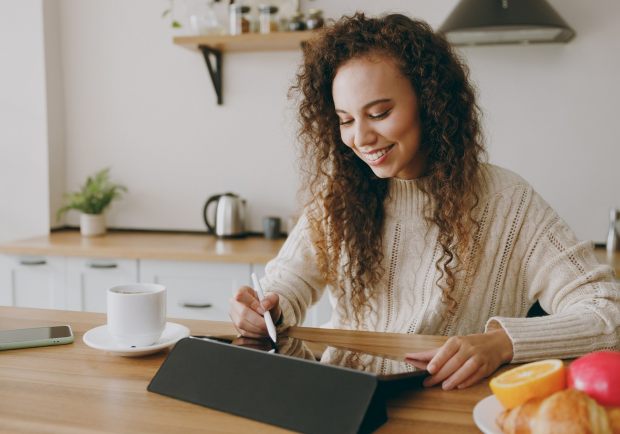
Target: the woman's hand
(465, 360)
(246, 312)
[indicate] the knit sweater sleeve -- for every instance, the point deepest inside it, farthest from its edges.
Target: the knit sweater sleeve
(580, 295)
(294, 275)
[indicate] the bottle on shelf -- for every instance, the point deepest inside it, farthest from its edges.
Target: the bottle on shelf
(268, 22)
(238, 21)
(297, 23)
(315, 19)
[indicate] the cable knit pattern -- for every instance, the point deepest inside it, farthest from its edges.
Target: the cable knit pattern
(526, 253)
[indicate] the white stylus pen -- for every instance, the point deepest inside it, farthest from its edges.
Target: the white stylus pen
(271, 328)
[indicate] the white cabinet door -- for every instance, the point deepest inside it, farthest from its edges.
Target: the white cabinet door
(88, 280)
(318, 315)
(32, 281)
(198, 290)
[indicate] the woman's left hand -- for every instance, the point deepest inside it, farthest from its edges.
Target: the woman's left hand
(465, 360)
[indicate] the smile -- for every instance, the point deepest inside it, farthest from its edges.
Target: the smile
(375, 155)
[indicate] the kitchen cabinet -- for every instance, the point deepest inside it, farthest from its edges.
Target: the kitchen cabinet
(61, 270)
(197, 290)
(32, 281)
(89, 278)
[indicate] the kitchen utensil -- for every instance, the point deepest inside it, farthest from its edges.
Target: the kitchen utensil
(271, 227)
(229, 215)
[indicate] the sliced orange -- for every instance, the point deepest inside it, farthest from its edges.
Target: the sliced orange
(533, 380)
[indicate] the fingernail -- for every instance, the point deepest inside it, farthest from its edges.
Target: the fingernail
(431, 368)
(446, 386)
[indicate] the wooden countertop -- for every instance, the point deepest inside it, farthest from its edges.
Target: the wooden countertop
(172, 246)
(76, 389)
(148, 245)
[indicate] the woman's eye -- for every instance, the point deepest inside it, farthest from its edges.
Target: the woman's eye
(380, 115)
(345, 121)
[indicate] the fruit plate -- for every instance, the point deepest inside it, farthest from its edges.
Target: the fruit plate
(485, 413)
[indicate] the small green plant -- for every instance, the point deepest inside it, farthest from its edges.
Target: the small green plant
(175, 24)
(94, 196)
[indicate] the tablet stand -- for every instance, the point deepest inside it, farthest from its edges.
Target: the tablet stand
(293, 393)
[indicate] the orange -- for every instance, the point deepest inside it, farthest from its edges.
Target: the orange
(533, 380)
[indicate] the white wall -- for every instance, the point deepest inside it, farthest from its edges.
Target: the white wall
(145, 107)
(55, 108)
(23, 123)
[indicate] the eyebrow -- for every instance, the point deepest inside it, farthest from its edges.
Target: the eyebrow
(370, 104)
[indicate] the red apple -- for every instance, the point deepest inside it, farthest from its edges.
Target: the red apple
(598, 375)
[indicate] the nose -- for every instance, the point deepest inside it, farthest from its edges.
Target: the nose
(364, 134)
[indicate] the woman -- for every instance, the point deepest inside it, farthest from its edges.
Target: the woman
(407, 227)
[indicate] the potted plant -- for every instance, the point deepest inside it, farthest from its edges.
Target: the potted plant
(92, 200)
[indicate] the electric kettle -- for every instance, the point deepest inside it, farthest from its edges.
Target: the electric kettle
(229, 215)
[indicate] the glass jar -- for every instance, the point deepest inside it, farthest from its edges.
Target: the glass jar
(315, 19)
(268, 22)
(297, 23)
(238, 21)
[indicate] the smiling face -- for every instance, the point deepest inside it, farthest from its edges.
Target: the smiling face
(379, 119)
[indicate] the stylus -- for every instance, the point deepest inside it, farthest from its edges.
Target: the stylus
(271, 328)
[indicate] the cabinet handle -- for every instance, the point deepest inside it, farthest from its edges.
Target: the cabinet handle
(197, 305)
(33, 261)
(102, 266)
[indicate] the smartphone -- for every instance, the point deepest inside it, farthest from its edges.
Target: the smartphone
(35, 337)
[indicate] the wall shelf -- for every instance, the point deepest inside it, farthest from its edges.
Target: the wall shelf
(212, 47)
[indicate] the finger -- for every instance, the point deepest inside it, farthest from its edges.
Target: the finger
(247, 319)
(444, 353)
(469, 368)
(248, 296)
(270, 301)
(474, 378)
(425, 356)
(448, 369)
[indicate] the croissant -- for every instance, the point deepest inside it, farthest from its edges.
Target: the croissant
(568, 411)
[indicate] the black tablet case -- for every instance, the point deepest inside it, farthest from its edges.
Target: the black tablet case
(293, 393)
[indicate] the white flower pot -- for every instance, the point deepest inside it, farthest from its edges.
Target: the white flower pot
(92, 225)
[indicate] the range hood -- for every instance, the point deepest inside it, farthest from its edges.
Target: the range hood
(483, 22)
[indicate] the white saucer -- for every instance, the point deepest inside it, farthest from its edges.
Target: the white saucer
(485, 413)
(99, 339)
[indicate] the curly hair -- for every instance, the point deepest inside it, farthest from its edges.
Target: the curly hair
(345, 198)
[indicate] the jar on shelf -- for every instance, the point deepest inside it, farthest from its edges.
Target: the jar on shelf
(238, 21)
(268, 21)
(315, 19)
(297, 23)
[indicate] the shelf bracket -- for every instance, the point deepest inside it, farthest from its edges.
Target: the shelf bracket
(215, 71)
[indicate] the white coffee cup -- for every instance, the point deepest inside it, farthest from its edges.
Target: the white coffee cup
(136, 313)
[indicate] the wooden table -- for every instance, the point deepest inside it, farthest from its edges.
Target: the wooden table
(73, 389)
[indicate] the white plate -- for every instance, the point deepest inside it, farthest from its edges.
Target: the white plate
(99, 339)
(485, 413)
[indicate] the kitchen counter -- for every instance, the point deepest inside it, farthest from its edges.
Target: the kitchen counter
(148, 245)
(171, 246)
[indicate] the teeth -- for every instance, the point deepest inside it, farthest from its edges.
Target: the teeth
(375, 156)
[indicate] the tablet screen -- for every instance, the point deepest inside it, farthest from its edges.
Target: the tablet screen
(384, 366)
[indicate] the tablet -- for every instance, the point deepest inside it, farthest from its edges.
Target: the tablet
(299, 385)
(384, 367)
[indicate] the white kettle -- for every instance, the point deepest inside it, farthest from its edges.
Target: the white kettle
(229, 215)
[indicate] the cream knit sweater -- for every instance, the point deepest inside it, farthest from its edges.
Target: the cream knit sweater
(528, 254)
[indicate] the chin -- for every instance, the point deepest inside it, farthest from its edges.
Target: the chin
(383, 174)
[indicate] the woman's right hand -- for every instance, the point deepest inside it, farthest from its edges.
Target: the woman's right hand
(246, 312)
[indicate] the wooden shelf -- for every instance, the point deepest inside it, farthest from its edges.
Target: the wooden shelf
(212, 48)
(278, 41)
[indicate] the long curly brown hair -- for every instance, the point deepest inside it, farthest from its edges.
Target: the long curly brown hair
(345, 198)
